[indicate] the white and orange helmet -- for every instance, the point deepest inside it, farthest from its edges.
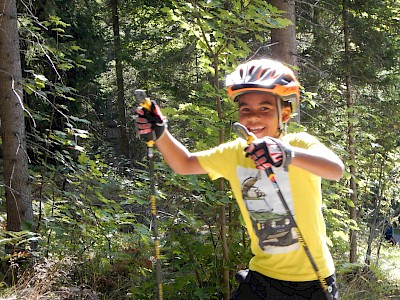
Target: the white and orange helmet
(264, 75)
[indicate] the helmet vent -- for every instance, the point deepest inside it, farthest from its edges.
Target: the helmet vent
(287, 79)
(241, 73)
(271, 74)
(262, 73)
(251, 70)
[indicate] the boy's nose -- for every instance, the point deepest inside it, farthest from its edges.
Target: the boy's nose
(254, 116)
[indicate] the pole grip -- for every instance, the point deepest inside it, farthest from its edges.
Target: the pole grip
(146, 104)
(144, 101)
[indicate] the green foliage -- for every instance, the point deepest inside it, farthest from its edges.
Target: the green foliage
(225, 30)
(91, 208)
(370, 63)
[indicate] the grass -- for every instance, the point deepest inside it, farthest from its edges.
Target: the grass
(379, 281)
(52, 280)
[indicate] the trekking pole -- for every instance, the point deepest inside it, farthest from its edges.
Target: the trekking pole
(146, 103)
(243, 133)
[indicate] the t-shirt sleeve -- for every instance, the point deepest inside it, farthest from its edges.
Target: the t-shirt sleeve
(305, 141)
(222, 160)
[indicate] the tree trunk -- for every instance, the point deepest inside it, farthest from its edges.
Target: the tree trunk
(16, 176)
(372, 230)
(350, 133)
(377, 212)
(124, 145)
(221, 187)
(283, 40)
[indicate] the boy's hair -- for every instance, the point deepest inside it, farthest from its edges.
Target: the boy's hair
(286, 103)
(264, 75)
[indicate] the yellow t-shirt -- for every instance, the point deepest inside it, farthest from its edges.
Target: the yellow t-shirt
(274, 241)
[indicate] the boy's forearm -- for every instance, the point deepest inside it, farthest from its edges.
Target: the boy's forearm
(327, 165)
(177, 156)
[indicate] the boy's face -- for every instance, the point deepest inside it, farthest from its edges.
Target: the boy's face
(259, 113)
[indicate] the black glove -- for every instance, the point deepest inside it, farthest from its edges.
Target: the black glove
(150, 124)
(267, 152)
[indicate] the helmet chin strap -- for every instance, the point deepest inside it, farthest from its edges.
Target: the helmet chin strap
(281, 125)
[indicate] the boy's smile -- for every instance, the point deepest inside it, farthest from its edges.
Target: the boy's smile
(259, 113)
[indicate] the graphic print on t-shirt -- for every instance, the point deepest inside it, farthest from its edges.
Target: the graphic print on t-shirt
(271, 224)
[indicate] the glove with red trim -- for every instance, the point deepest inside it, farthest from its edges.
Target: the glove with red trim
(267, 152)
(150, 124)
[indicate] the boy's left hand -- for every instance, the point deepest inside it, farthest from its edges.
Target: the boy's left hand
(267, 152)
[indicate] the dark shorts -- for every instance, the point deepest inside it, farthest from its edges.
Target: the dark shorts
(256, 286)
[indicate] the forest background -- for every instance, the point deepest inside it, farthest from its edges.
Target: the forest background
(74, 190)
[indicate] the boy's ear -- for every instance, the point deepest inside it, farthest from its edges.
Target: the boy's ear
(286, 112)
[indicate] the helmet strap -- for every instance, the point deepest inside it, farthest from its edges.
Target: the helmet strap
(279, 107)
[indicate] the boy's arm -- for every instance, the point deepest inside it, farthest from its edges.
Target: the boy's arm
(178, 156)
(325, 164)
(319, 160)
(152, 126)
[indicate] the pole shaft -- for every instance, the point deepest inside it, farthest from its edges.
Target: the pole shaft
(153, 205)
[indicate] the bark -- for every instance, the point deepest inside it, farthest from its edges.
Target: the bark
(221, 187)
(283, 40)
(351, 143)
(15, 160)
(124, 146)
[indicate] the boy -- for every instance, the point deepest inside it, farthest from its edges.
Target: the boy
(267, 92)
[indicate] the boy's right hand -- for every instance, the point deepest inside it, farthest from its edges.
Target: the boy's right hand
(150, 124)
